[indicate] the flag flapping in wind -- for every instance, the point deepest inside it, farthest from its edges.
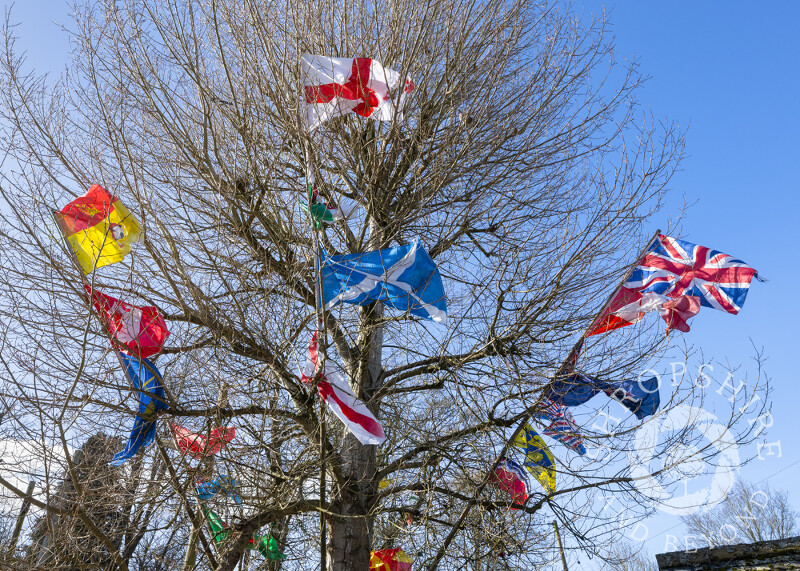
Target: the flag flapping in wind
(99, 228)
(147, 382)
(322, 212)
(197, 445)
(640, 396)
(141, 331)
(512, 478)
(562, 425)
(333, 389)
(403, 277)
(265, 544)
(538, 459)
(207, 488)
(339, 86)
(676, 278)
(389, 560)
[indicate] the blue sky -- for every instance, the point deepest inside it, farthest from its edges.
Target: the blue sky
(728, 72)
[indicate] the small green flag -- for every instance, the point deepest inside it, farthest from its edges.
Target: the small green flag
(266, 544)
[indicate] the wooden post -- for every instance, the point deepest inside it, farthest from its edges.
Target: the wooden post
(23, 512)
(560, 546)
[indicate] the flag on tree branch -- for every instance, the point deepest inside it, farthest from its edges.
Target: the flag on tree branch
(99, 228)
(676, 278)
(511, 477)
(562, 425)
(403, 277)
(333, 389)
(389, 560)
(207, 488)
(538, 459)
(147, 382)
(266, 544)
(639, 396)
(338, 86)
(196, 445)
(140, 331)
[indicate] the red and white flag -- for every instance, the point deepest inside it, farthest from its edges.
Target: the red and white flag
(141, 331)
(197, 445)
(333, 389)
(338, 86)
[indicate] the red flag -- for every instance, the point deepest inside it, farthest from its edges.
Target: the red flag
(389, 560)
(333, 389)
(197, 446)
(511, 477)
(141, 331)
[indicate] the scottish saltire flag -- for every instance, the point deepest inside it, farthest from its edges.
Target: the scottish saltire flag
(339, 86)
(538, 459)
(99, 228)
(140, 331)
(512, 478)
(197, 445)
(562, 425)
(640, 396)
(146, 380)
(403, 277)
(207, 488)
(334, 390)
(389, 560)
(676, 278)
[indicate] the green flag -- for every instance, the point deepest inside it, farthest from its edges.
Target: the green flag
(266, 544)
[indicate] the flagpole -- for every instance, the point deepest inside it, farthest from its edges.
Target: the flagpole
(319, 302)
(529, 411)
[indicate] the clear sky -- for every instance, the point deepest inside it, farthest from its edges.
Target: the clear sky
(729, 73)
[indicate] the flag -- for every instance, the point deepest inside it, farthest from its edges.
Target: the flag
(639, 396)
(99, 228)
(389, 560)
(333, 389)
(562, 425)
(338, 86)
(676, 278)
(196, 445)
(538, 459)
(512, 478)
(141, 331)
(265, 544)
(147, 382)
(403, 277)
(207, 488)
(320, 211)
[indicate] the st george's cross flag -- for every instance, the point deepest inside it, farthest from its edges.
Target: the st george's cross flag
(562, 425)
(333, 389)
(140, 331)
(676, 278)
(538, 459)
(640, 396)
(338, 86)
(146, 380)
(99, 228)
(511, 477)
(197, 445)
(403, 277)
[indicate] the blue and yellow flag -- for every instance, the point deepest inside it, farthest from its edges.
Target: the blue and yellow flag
(538, 459)
(147, 381)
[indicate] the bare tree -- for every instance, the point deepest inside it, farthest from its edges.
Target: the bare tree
(522, 165)
(750, 512)
(626, 557)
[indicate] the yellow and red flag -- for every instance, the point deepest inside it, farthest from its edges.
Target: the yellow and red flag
(389, 560)
(99, 228)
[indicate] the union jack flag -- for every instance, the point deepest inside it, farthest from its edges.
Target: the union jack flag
(562, 424)
(676, 278)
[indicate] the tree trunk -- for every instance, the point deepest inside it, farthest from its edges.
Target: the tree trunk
(350, 537)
